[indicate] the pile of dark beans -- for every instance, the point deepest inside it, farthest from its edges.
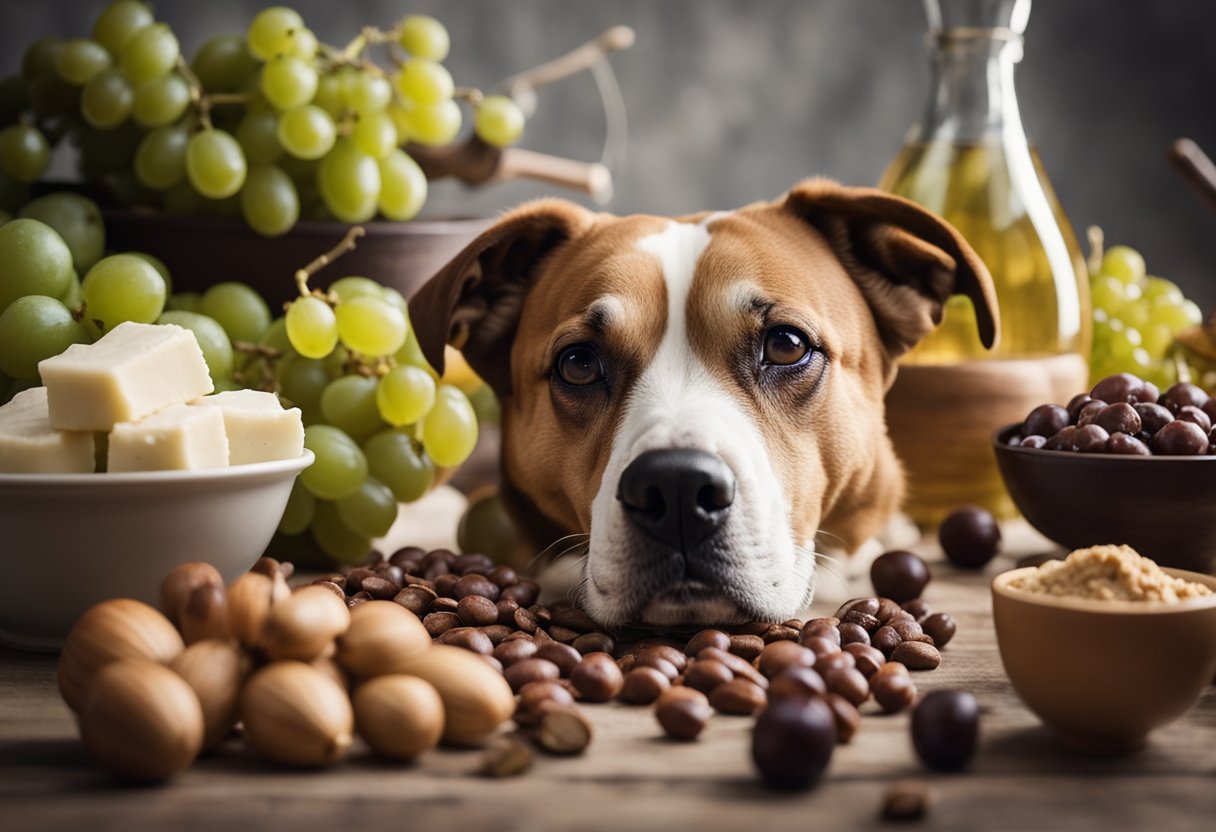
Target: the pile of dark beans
(555, 656)
(1126, 415)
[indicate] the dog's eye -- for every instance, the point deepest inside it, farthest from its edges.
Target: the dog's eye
(784, 345)
(579, 366)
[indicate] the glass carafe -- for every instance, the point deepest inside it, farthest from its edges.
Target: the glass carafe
(968, 159)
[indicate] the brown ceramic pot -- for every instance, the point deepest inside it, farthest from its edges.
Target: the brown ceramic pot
(1103, 674)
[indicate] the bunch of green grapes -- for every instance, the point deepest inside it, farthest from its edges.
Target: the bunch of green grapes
(270, 126)
(377, 416)
(1136, 317)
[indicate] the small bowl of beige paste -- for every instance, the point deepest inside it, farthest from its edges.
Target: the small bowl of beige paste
(1105, 645)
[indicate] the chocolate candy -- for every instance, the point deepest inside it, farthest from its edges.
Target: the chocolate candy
(793, 741)
(1180, 438)
(1184, 394)
(945, 729)
(1123, 387)
(1189, 413)
(1045, 420)
(970, 537)
(1121, 443)
(1118, 418)
(900, 576)
(1091, 439)
(1153, 417)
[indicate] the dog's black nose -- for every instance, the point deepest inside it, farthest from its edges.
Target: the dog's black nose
(678, 496)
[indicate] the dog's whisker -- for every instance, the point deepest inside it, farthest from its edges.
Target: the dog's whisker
(544, 552)
(831, 566)
(835, 537)
(577, 548)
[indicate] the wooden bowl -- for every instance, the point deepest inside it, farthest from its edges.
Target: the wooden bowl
(203, 251)
(1158, 505)
(1103, 674)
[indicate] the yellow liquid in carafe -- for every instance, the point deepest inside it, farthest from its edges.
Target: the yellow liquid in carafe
(1021, 234)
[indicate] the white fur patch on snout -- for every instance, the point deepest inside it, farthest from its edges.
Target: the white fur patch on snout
(761, 571)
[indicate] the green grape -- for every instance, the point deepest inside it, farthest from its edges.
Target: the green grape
(411, 353)
(160, 160)
(14, 99)
(374, 134)
(371, 327)
(302, 381)
(1177, 316)
(258, 135)
(334, 538)
(1156, 339)
(215, 164)
(150, 53)
(276, 338)
(288, 82)
(425, 37)
(212, 340)
(269, 202)
(77, 220)
(433, 125)
(122, 288)
(350, 182)
(1123, 343)
(349, 288)
(394, 298)
(1123, 263)
(370, 511)
(366, 93)
(336, 362)
(340, 467)
(107, 100)
(238, 309)
(312, 327)
(41, 59)
(329, 95)
(1137, 315)
(1108, 293)
(499, 121)
(184, 302)
(24, 153)
(307, 132)
(34, 328)
(80, 59)
(223, 64)
(424, 82)
(303, 44)
(299, 511)
(271, 31)
(161, 101)
(349, 403)
(72, 297)
(1159, 287)
(34, 260)
(159, 265)
(404, 395)
(119, 22)
(403, 186)
(449, 431)
(393, 460)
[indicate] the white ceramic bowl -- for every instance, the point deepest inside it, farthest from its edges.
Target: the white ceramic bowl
(68, 541)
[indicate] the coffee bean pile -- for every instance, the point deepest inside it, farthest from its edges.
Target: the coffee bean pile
(554, 656)
(1125, 415)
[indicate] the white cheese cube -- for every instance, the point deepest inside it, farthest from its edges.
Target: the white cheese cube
(29, 445)
(133, 371)
(258, 428)
(178, 437)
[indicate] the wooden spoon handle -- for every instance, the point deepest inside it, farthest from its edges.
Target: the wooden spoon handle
(1195, 166)
(611, 40)
(589, 177)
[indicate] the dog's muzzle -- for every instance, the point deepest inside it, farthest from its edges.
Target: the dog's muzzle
(677, 496)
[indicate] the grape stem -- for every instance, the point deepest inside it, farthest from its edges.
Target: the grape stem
(203, 102)
(347, 244)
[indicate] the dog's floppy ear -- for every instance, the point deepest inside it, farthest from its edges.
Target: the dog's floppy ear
(474, 302)
(906, 260)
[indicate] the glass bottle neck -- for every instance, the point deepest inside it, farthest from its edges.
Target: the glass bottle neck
(973, 99)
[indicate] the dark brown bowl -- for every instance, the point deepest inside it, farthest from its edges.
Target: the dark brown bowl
(1159, 505)
(203, 251)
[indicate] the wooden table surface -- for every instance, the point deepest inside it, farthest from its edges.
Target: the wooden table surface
(631, 778)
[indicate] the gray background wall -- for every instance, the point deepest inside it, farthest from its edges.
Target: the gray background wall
(732, 101)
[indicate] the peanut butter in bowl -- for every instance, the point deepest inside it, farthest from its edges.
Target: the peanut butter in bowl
(1108, 573)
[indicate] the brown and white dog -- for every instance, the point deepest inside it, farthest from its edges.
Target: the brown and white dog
(700, 395)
